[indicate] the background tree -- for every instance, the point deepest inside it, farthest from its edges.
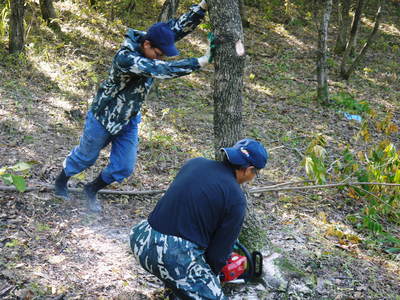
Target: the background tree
(49, 13)
(351, 45)
(344, 21)
(16, 34)
(347, 66)
(168, 10)
(131, 5)
(322, 70)
(243, 14)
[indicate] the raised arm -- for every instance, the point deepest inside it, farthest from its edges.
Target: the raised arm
(186, 23)
(130, 63)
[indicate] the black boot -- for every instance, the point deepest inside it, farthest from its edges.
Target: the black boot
(60, 186)
(168, 294)
(91, 190)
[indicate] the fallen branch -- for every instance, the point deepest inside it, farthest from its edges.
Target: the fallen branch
(48, 187)
(6, 290)
(271, 188)
(311, 187)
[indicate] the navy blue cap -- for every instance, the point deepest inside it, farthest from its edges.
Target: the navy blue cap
(247, 152)
(161, 36)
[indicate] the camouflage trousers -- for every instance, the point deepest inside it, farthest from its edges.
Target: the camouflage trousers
(180, 264)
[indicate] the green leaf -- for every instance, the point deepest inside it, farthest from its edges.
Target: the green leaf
(22, 166)
(308, 164)
(319, 151)
(7, 179)
(397, 176)
(19, 183)
(3, 171)
(393, 250)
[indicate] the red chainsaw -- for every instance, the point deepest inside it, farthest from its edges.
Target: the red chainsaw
(246, 267)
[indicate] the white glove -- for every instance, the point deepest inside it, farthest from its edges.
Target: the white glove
(205, 58)
(203, 4)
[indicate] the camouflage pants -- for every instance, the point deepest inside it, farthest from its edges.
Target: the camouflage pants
(180, 264)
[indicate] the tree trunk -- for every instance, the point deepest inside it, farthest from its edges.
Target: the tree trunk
(168, 10)
(346, 74)
(49, 13)
(353, 37)
(243, 14)
(131, 5)
(355, 26)
(322, 70)
(16, 36)
(229, 67)
(344, 21)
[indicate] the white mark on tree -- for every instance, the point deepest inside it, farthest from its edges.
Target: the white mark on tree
(239, 48)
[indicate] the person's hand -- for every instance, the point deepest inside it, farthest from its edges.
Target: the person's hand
(206, 58)
(209, 56)
(203, 4)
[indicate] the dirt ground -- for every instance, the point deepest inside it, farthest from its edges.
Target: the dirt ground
(56, 250)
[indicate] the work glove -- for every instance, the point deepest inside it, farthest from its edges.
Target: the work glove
(209, 56)
(203, 4)
(205, 59)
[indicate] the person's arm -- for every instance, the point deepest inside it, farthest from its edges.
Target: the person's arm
(131, 63)
(221, 244)
(186, 23)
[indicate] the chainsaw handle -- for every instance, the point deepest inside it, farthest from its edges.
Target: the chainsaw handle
(250, 264)
(258, 263)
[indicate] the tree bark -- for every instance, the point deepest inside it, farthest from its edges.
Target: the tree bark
(49, 13)
(16, 36)
(322, 70)
(243, 14)
(229, 68)
(346, 73)
(168, 10)
(344, 21)
(131, 5)
(351, 45)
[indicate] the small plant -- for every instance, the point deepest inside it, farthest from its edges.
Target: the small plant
(42, 227)
(346, 102)
(14, 175)
(380, 164)
(4, 13)
(314, 162)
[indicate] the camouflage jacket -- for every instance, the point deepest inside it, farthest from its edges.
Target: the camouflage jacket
(131, 75)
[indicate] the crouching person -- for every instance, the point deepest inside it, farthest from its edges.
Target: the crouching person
(188, 237)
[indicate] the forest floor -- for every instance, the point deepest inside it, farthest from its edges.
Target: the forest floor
(50, 249)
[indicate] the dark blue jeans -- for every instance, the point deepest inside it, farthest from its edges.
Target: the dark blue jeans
(94, 138)
(179, 263)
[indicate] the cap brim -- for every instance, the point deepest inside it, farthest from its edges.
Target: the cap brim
(235, 157)
(170, 50)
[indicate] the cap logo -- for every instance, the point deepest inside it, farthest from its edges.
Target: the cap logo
(244, 151)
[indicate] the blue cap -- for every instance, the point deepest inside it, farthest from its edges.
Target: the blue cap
(247, 152)
(161, 36)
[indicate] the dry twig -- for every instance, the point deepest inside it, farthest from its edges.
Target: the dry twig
(271, 188)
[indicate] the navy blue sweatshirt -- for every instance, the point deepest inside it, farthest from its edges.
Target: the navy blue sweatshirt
(205, 205)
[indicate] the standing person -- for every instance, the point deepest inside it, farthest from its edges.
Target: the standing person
(115, 112)
(188, 237)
